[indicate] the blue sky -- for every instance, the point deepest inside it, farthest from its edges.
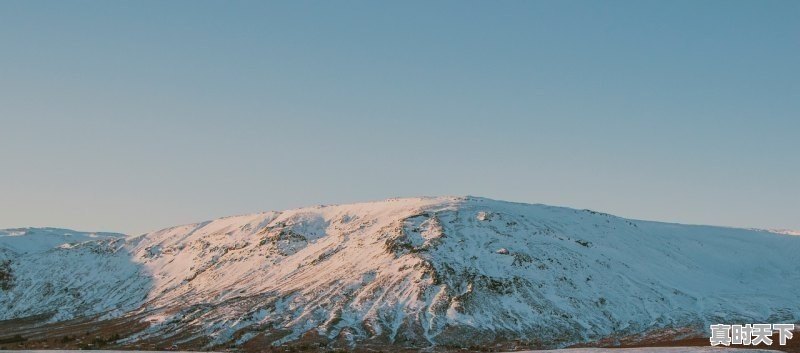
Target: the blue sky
(134, 115)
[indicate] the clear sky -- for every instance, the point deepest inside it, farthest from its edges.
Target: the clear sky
(134, 115)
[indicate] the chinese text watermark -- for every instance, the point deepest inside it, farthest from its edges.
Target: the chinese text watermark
(750, 334)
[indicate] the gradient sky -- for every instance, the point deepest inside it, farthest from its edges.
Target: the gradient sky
(130, 116)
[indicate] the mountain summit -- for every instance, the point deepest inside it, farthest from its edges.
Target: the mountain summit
(412, 272)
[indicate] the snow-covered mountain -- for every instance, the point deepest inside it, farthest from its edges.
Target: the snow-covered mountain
(446, 271)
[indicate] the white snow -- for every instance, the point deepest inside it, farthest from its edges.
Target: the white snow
(31, 240)
(786, 231)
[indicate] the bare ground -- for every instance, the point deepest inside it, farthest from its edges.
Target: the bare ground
(88, 333)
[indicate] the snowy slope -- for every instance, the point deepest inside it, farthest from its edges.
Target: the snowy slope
(418, 271)
(66, 274)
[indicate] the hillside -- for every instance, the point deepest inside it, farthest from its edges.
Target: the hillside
(416, 272)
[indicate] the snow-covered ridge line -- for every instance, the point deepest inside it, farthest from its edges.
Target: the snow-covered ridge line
(785, 231)
(32, 240)
(414, 271)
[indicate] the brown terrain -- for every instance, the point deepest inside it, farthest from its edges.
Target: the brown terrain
(31, 334)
